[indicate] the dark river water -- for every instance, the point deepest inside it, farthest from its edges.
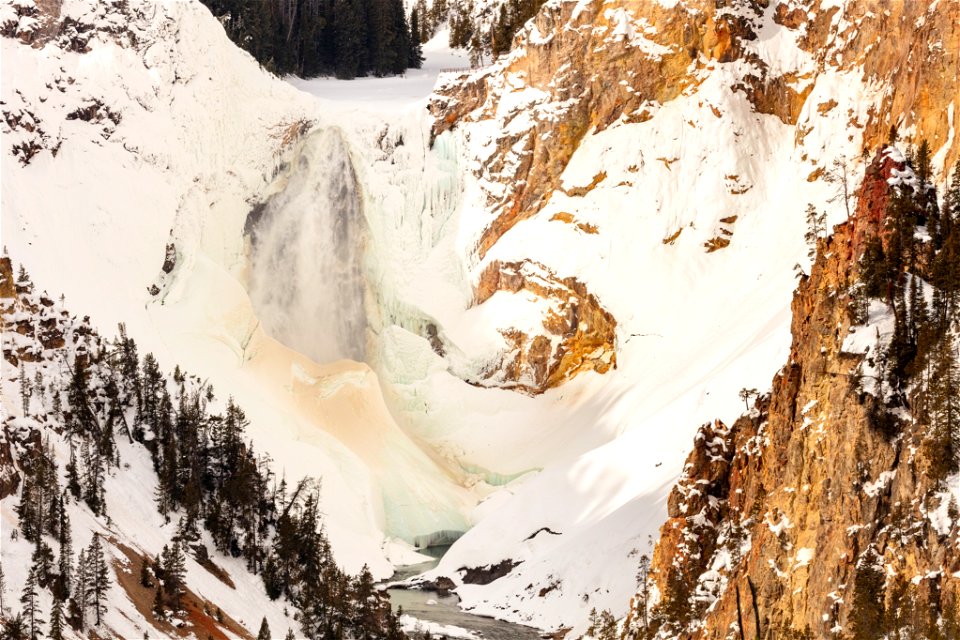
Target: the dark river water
(429, 605)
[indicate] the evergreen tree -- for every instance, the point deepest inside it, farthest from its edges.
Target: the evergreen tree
(867, 612)
(15, 629)
(174, 573)
(425, 24)
(25, 390)
(350, 37)
(81, 590)
(93, 466)
(31, 604)
(42, 560)
(942, 445)
(364, 594)
(643, 594)
(159, 612)
(899, 611)
(264, 633)
(81, 418)
(73, 475)
(38, 385)
(98, 575)
(56, 620)
(65, 561)
(145, 580)
(416, 50)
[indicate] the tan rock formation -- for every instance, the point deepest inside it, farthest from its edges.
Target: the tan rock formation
(794, 492)
(579, 334)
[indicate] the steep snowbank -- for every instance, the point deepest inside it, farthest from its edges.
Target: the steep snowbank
(193, 135)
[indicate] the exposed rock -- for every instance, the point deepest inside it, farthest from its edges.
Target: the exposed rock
(579, 334)
(796, 490)
(488, 573)
(582, 67)
(9, 474)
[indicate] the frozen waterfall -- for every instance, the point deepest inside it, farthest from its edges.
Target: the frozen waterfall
(306, 278)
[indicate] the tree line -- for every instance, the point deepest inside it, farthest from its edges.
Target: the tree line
(914, 266)
(490, 33)
(308, 38)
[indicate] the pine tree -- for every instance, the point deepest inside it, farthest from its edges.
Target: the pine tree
(38, 385)
(145, 580)
(264, 633)
(416, 35)
(159, 612)
(81, 590)
(73, 475)
(81, 418)
(643, 594)
(942, 445)
(31, 604)
(350, 36)
(65, 561)
(899, 611)
(15, 629)
(174, 572)
(98, 575)
(365, 597)
(867, 612)
(425, 23)
(93, 477)
(25, 390)
(40, 485)
(42, 560)
(56, 620)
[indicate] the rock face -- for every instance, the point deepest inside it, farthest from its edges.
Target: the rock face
(579, 334)
(801, 489)
(576, 54)
(583, 67)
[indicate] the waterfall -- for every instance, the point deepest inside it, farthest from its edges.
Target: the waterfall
(306, 278)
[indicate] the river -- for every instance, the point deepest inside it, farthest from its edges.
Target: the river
(444, 609)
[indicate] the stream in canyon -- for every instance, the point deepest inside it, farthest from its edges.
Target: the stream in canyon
(443, 608)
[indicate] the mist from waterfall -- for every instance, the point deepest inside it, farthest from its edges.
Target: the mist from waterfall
(306, 278)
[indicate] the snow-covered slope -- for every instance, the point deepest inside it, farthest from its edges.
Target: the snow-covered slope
(46, 340)
(156, 138)
(178, 134)
(681, 208)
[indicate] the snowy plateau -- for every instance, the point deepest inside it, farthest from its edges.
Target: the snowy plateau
(309, 248)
